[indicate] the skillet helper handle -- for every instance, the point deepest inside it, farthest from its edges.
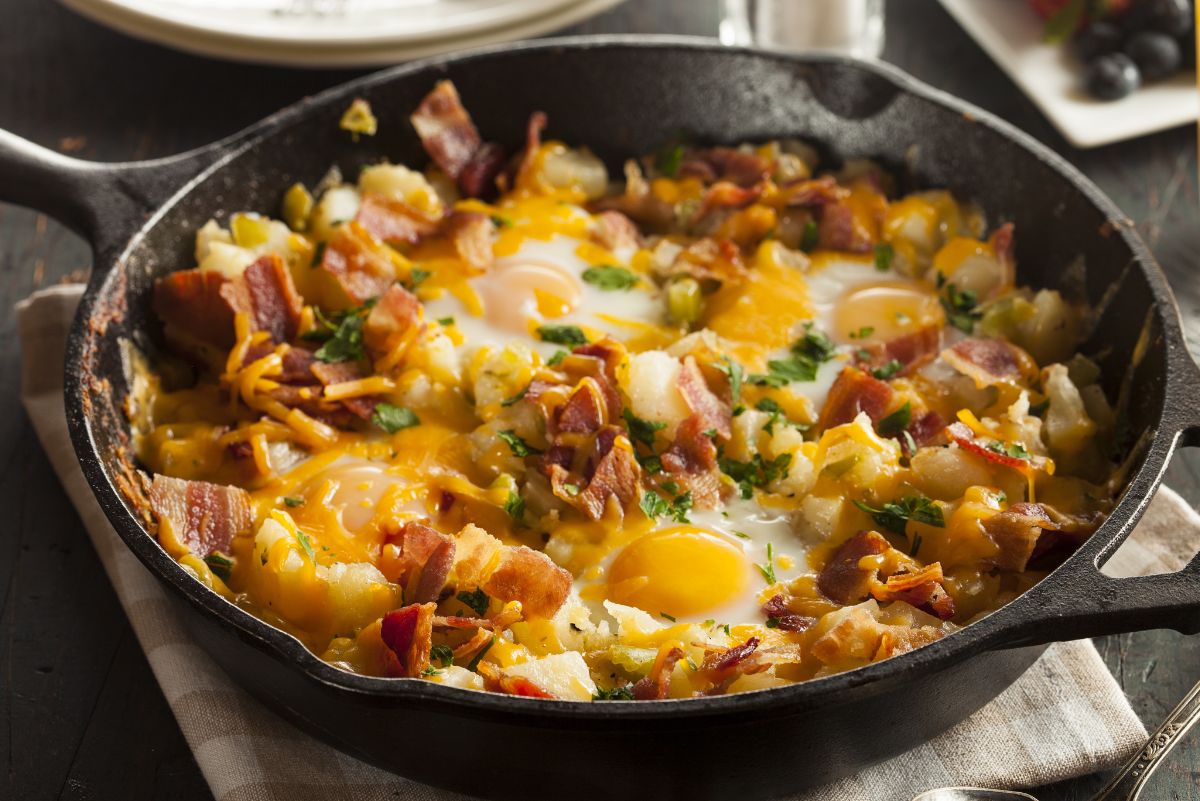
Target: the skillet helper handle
(104, 202)
(1085, 602)
(1129, 782)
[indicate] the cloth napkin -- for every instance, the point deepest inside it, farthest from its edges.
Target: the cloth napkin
(1065, 717)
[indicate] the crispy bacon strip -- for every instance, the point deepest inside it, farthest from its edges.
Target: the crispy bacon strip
(446, 130)
(358, 263)
(989, 361)
(478, 176)
(921, 588)
(615, 231)
(720, 663)
(992, 450)
(203, 517)
(497, 681)
(270, 297)
(472, 233)
(655, 685)
(616, 474)
(784, 617)
(408, 632)
(583, 413)
(837, 229)
(726, 163)
(692, 462)
(390, 319)
(192, 306)
(854, 391)
(530, 577)
(926, 428)
(726, 195)
(842, 579)
(426, 557)
(1017, 531)
(714, 414)
(392, 220)
(911, 350)
(814, 192)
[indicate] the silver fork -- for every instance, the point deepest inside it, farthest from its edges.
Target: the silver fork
(1126, 785)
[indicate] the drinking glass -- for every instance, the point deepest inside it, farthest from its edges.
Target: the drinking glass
(852, 27)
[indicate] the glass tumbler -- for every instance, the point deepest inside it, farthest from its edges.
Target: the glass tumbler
(851, 27)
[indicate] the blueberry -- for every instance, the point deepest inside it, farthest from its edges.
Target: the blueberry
(1097, 39)
(1112, 76)
(1172, 17)
(1156, 54)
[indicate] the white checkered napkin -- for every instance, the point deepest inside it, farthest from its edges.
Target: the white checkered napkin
(1065, 717)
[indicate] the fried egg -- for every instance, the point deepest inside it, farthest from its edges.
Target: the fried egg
(857, 304)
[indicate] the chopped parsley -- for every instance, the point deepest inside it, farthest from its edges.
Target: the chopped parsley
(441, 654)
(669, 159)
(961, 308)
(318, 255)
(500, 221)
(810, 237)
(515, 506)
(571, 489)
(916, 545)
(655, 506)
(808, 353)
(220, 564)
(757, 472)
(518, 446)
(446, 321)
(306, 544)
(777, 414)
(345, 343)
(888, 370)
(391, 418)
(768, 569)
(897, 421)
(1039, 409)
(894, 515)
(641, 430)
(883, 257)
(863, 332)
(610, 278)
(650, 464)
(556, 359)
(515, 398)
(622, 693)
(665, 616)
(1013, 450)
(476, 599)
(562, 334)
(292, 501)
(741, 535)
(736, 375)
(416, 275)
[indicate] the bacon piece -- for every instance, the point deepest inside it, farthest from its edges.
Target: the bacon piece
(926, 428)
(722, 662)
(714, 414)
(460, 622)
(617, 475)
(842, 579)
(392, 220)
(921, 588)
(426, 557)
(814, 192)
(837, 229)
(1003, 246)
(727, 163)
(854, 391)
(1016, 532)
(478, 176)
(583, 413)
(525, 575)
(390, 319)
(202, 517)
(408, 632)
(725, 195)
(446, 130)
(192, 306)
(638, 203)
(911, 350)
(269, 297)
(358, 263)
(336, 372)
(989, 361)
(655, 685)
(615, 231)
(472, 233)
(692, 462)
(991, 450)
(784, 617)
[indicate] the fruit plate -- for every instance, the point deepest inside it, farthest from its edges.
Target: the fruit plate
(1050, 75)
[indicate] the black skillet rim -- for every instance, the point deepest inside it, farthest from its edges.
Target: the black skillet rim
(963, 644)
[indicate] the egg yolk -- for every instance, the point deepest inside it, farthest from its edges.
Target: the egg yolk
(678, 571)
(517, 291)
(885, 311)
(356, 489)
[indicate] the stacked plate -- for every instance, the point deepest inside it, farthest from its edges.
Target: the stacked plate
(334, 33)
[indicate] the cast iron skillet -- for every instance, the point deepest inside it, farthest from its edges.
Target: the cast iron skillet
(624, 96)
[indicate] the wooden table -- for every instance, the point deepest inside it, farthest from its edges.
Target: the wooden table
(80, 714)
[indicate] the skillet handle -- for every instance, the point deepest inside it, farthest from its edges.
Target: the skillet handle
(1084, 602)
(104, 202)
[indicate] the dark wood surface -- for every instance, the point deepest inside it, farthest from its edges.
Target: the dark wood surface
(81, 716)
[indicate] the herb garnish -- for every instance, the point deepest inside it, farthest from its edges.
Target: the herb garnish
(736, 375)
(306, 544)
(391, 418)
(610, 278)
(757, 472)
(518, 446)
(669, 159)
(641, 430)
(515, 398)
(474, 663)
(888, 370)
(220, 564)
(894, 515)
(442, 654)
(1013, 450)
(810, 237)
(897, 421)
(515, 506)
(562, 334)
(345, 343)
(883, 257)
(960, 306)
(655, 505)
(807, 355)
(476, 599)
(292, 501)
(623, 693)
(768, 569)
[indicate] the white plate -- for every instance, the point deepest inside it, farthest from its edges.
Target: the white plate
(1012, 35)
(366, 33)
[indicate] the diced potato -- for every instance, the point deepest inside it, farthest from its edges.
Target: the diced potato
(358, 594)
(499, 374)
(565, 168)
(1052, 332)
(562, 675)
(227, 259)
(653, 388)
(946, 473)
(338, 205)
(818, 517)
(399, 182)
(210, 232)
(1068, 426)
(455, 676)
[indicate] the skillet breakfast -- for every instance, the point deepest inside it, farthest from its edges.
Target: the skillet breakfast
(730, 424)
